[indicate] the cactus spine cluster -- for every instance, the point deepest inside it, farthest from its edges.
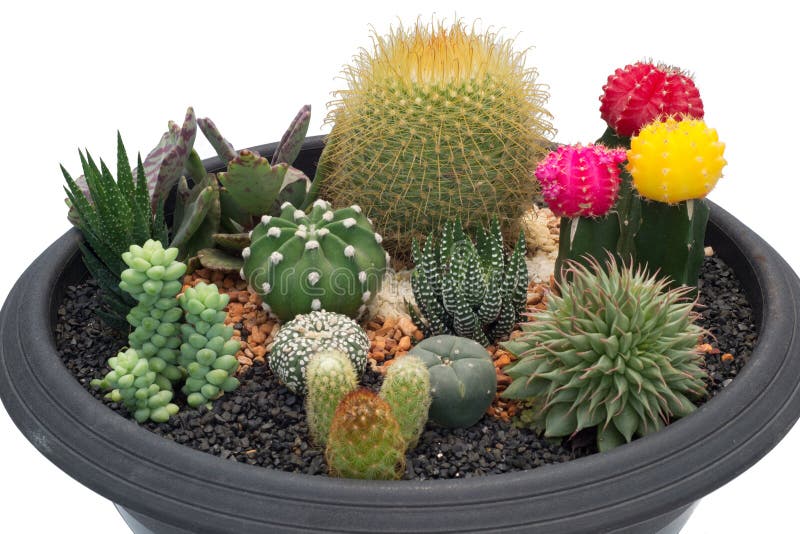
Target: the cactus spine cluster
(306, 335)
(643, 92)
(437, 123)
(468, 290)
(207, 352)
(141, 376)
(329, 377)
(327, 260)
(365, 439)
(406, 388)
(615, 350)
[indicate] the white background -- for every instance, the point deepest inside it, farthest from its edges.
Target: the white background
(75, 72)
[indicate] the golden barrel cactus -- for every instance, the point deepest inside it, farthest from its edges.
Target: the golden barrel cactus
(436, 123)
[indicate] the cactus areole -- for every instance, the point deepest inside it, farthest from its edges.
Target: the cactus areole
(647, 485)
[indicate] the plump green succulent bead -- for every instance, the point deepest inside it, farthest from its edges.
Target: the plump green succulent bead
(305, 335)
(462, 377)
(327, 260)
(208, 351)
(329, 377)
(615, 350)
(406, 388)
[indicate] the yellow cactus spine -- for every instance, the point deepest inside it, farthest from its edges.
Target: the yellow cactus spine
(676, 160)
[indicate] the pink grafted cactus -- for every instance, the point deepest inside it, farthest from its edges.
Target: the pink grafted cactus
(636, 95)
(581, 181)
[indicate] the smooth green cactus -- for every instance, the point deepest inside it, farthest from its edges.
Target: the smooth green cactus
(329, 377)
(468, 290)
(136, 383)
(463, 379)
(614, 350)
(406, 388)
(208, 352)
(326, 260)
(298, 340)
(153, 280)
(365, 440)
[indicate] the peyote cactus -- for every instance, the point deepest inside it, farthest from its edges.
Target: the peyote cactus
(365, 440)
(406, 388)
(462, 377)
(135, 383)
(580, 185)
(329, 377)
(153, 280)
(615, 350)
(437, 123)
(640, 93)
(326, 260)
(674, 165)
(469, 291)
(305, 335)
(207, 352)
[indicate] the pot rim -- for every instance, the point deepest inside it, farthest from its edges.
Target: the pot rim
(649, 477)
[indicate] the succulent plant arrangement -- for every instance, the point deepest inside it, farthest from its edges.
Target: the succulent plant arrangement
(437, 149)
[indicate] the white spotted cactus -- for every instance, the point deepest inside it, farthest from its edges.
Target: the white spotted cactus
(308, 334)
(326, 260)
(207, 352)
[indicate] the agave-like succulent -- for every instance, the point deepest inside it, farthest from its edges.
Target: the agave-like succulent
(615, 350)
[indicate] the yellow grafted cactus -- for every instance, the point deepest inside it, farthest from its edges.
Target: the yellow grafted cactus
(676, 160)
(437, 123)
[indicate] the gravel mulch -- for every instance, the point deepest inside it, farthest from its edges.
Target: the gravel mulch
(262, 423)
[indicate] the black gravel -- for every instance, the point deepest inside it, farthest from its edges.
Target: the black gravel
(262, 423)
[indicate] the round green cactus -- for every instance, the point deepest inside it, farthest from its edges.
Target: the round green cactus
(463, 379)
(365, 440)
(329, 377)
(615, 350)
(207, 352)
(136, 383)
(326, 260)
(305, 335)
(406, 388)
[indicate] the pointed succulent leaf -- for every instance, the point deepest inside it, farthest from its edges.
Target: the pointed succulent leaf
(222, 146)
(294, 189)
(253, 183)
(609, 437)
(292, 140)
(232, 242)
(195, 214)
(166, 170)
(561, 421)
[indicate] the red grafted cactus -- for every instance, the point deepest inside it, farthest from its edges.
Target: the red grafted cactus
(581, 181)
(638, 94)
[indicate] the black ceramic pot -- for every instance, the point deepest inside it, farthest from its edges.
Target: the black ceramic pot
(648, 486)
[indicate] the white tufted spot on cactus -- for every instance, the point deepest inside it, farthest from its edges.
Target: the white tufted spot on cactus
(250, 234)
(319, 203)
(312, 244)
(356, 208)
(322, 232)
(316, 305)
(298, 214)
(246, 252)
(266, 219)
(266, 287)
(366, 296)
(276, 258)
(378, 238)
(349, 222)
(274, 232)
(349, 251)
(362, 277)
(327, 216)
(286, 204)
(301, 234)
(313, 278)
(241, 274)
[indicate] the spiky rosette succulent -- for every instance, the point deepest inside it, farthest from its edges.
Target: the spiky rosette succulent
(614, 350)
(406, 388)
(637, 94)
(678, 159)
(329, 377)
(207, 351)
(365, 440)
(305, 335)
(326, 260)
(580, 181)
(438, 122)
